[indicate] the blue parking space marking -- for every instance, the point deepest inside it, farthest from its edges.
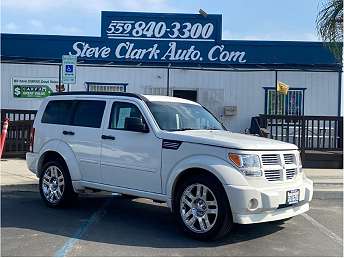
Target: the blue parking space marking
(96, 216)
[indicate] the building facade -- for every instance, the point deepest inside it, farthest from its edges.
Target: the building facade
(180, 55)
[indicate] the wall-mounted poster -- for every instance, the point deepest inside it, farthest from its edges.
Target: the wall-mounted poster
(33, 87)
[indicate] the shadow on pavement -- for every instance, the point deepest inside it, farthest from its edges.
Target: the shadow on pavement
(123, 222)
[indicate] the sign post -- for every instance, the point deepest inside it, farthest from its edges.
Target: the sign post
(69, 69)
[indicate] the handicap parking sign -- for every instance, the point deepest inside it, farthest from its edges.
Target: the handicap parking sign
(69, 68)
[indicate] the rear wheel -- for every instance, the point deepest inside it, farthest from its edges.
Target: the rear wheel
(55, 185)
(202, 209)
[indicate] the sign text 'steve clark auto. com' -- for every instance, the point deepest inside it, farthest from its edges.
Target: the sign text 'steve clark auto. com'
(128, 50)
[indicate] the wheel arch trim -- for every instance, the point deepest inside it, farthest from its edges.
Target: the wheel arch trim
(221, 169)
(65, 152)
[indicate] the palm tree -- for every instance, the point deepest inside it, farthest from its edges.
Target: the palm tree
(330, 25)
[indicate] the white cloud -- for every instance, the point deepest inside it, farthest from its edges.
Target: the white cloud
(66, 11)
(275, 36)
(37, 27)
(90, 5)
(148, 5)
(32, 5)
(311, 37)
(11, 27)
(36, 24)
(66, 30)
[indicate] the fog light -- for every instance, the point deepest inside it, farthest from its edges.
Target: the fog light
(253, 204)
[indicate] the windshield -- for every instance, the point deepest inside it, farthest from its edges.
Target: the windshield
(173, 116)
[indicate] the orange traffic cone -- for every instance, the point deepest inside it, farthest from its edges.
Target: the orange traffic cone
(3, 136)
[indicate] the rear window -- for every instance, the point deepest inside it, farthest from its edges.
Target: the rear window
(85, 113)
(58, 112)
(89, 113)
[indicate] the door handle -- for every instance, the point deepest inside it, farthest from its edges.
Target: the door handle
(68, 133)
(108, 137)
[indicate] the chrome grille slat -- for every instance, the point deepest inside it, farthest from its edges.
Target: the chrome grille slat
(273, 175)
(279, 167)
(290, 173)
(270, 159)
(289, 158)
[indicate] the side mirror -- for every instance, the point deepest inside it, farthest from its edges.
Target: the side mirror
(135, 124)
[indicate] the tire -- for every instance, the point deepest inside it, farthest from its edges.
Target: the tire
(213, 210)
(55, 184)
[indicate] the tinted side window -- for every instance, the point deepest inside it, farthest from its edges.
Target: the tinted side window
(58, 112)
(89, 113)
(120, 111)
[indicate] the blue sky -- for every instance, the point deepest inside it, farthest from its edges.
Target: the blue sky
(242, 19)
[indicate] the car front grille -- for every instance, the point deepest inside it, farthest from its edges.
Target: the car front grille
(270, 159)
(273, 175)
(289, 158)
(290, 173)
(279, 167)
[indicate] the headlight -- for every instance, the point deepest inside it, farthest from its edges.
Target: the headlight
(248, 164)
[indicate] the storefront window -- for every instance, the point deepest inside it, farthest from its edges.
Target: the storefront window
(291, 104)
(106, 87)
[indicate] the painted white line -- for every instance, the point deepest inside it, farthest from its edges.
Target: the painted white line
(109, 34)
(323, 229)
(123, 21)
(169, 39)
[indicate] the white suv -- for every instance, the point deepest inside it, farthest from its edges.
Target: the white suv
(166, 149)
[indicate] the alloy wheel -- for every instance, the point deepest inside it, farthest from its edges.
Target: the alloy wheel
(198, 208)
(53, 184)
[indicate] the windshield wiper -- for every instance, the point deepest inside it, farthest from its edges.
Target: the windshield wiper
(187, 129)
(212, 129)
(184, 129)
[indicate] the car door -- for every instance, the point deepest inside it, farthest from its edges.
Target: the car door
(130, 159)
(83, 136)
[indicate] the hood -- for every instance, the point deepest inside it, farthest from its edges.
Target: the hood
(228, 139)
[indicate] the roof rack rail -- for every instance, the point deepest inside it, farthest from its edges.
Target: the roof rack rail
(124, 94)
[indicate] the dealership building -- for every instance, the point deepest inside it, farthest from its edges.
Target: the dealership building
(180, 55)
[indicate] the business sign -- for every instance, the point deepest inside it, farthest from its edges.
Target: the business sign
(162, 52)
(33, 87)
(161, 26)
(69, 69)
(163, 39)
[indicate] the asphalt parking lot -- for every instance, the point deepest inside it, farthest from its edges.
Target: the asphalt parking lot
(104, 225)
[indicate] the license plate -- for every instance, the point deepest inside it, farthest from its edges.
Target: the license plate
(293, 196)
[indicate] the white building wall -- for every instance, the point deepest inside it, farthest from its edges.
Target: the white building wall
(137, 79)
(8, 71)
(321, 94)
(216, 89)
(241, 89)
(245, 90)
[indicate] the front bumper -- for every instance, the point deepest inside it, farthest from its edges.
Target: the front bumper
(32, 162)
(270, 202)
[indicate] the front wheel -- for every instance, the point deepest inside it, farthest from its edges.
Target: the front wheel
(202, 209)
(55, 185)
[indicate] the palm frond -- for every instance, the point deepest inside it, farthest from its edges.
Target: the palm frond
(330, 25)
